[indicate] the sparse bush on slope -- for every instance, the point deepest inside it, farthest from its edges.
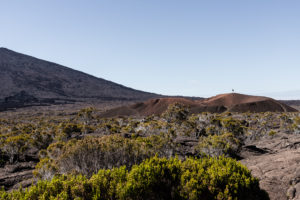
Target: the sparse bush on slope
(155, 178)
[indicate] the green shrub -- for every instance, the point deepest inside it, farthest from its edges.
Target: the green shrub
(217, 145)
(108, 184)
(272, 133)
(297, 120)
(15, 146)
(218, 178)
(156, 178)
(176, 112)
(71, 128)
(234, 126)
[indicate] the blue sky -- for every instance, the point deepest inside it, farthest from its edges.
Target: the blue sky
(195, 48)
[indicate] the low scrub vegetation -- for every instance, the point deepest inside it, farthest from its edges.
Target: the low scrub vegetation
(80, 155)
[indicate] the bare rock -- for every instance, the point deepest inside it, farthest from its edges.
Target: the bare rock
(13, 176)
(278, 168)
(291, 192)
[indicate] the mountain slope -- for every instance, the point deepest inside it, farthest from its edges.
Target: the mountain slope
(42, 79)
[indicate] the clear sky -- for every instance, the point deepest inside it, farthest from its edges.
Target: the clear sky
(172, 47)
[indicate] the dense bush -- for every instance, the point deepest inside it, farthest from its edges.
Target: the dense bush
(217, 145)
(15, 146)
(90, 154)
(176, 112)
(155, 178)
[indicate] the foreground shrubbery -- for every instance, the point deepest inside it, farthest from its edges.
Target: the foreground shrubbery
(155, 178)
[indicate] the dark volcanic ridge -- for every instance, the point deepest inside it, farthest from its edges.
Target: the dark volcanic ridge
(34, 80)
(232, 102)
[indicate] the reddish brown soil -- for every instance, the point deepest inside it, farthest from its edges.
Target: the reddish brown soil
(225, 102)
(231, 99)
(243, 103)
(152, 106)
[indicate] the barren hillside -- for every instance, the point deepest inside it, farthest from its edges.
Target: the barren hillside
(21, 74)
